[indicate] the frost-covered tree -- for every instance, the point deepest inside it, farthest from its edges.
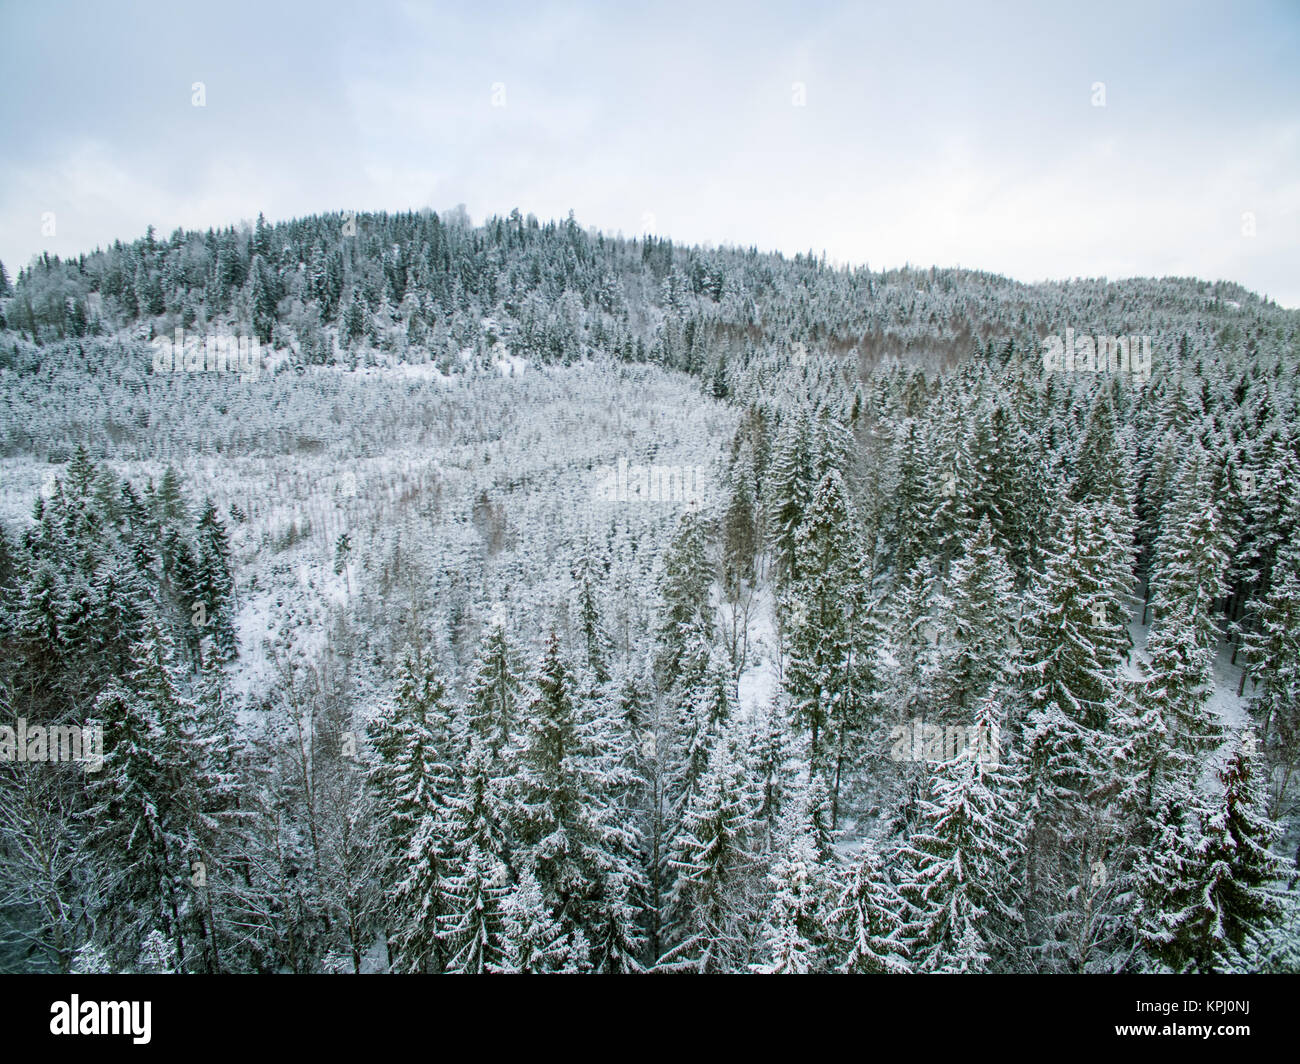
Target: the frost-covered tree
(496, 691)
(829, 633)
(1191, 556)
(976, 626)
(957, 866)
(867, 929)
(790, 490)
(685, 629)
(477, 823)
(1206, 882)
(718, 872)
(413, 780)
(150, 816)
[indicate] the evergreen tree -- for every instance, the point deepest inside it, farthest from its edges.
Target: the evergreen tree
(975, 628)
(715, 863)
(215, 586)
(1271, 646)
(828, 675)
(477, 826)
(495, 692)
(413, 782)
(795, 928)
(790, 492)
(582, 860)
(149, 814)
(1191, 559)
(957, 865)
(533, 941)
(1204, 884)
(686, 629)
(865, 921)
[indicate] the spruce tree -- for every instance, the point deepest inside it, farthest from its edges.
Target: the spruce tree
(717, 873)
(149, 817)
(685, 630)
(496, 692)
(790, 488)
(413, 781)
(477, 825)
(867, 930)
(958, 863)
(975, 630)
(828, 675)
(1191, 560)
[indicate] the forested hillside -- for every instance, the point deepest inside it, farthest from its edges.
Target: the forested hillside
(957, 663)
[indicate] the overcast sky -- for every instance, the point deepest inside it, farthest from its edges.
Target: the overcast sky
(962, 133)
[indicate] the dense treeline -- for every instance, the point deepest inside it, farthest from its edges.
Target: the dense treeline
(1008, 607)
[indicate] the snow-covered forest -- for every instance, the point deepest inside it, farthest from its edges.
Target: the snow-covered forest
(957, 663)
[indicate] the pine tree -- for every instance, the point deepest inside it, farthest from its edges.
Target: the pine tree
(791, 484)
(1239, 834)
(342, 552)
(910, 525)
(477, 826)
(740, 527)
(703, 712)
(958, 863)
(169, 501)
(1066, 657)
(215, 586)
(714, 859)
(1191, 560)
(582, 859)
(533, 941)
(1179, 685)
(148, 816)
(496, 692)
(795, 928)
(828, 675)
(412, 780)
(865, 922)
(974, 631)
(686, 629)
(1271, 647)
(1205, 883)
(596, 642)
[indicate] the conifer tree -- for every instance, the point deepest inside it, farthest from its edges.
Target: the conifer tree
(583, 861)
(1191, 560)
(1271, 646)
(496, 692)
(790, 490)
(1206, 882)
(413, 781)
(533, 942)
(214, 584)
(477, 826)
(795, 928)
(866, 927)
(974, 631)
(958, 863)
(717, 872)
(149, 817)
(828, 676)
(1178, 687)
(686, 629)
